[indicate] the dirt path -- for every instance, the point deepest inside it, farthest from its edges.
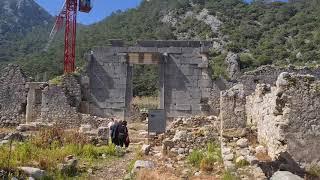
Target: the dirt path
(116, 169)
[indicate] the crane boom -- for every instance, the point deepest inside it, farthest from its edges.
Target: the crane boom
(57, 26)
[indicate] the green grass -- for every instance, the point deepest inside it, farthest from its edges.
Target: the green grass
(205, 159)
(227, 175)
(195, 158)
(46, 154)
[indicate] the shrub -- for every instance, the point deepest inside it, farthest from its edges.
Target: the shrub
(314, 170)
(242, 163)
(56, 81)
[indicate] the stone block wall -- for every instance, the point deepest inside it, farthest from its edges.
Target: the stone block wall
(185, 83)
(13, 95)
(287, 116)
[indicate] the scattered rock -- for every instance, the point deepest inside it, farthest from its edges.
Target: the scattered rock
(138, 165)
(180, 136)
(69, 166)
(181, 151)
(33, 172)
(90, 171)
(4, 142)
(15, 136)
(85, 128)
(232, 61)
(239, 159)
(243, 142)
(104, 156)
(261, 150)
(103, 133)
(229, 157)
(146, 149)
(285, 175)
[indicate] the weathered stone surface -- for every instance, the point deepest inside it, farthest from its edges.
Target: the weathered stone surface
(56, 108)
(14, 136)
(72, 90)
(85, 128)
(69, 166)
(103, 133)
(232, 108)
(233, 68)
(13, 95)
(186, 134)
(184, 78)
(285, 175)
(260, 150)
(263, 75)
(242, 143)
(145, 149)
(138, 165)
(287, 116)
(33, 172)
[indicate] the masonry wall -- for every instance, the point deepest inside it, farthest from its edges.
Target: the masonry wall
(13, 95)
(287, 116)
(262, 75)
(184, 80)
(232, 105)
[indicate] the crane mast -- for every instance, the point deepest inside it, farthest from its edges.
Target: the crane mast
(69, 14)
(70, 35)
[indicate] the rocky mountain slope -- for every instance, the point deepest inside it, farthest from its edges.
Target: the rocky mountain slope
(23, 27)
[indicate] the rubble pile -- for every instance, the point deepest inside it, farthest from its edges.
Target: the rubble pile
(188, 134)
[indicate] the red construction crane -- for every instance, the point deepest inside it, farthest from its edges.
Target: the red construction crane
(69, 14)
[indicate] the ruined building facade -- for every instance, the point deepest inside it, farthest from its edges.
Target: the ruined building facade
(185, 82)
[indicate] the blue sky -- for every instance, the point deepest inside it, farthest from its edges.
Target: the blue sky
(101, 8)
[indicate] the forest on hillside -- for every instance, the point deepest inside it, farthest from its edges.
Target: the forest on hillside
(279, 33)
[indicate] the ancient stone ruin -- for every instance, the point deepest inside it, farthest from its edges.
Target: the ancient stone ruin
(285, 117)
(270, 114)
(184, 77)
(13, 96)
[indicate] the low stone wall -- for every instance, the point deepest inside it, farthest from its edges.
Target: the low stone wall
(60, 105)
(287, 116)
(72, 90)
(263, 75)
(13, 95)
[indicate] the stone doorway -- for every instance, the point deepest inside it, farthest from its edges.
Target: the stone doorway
(185, 83)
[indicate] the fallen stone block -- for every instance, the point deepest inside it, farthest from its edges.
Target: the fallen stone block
(138, 165)
(146, 149)
(33, 172)
(285, 175)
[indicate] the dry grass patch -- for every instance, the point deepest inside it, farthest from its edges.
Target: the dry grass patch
(145, 174)
(146, 102)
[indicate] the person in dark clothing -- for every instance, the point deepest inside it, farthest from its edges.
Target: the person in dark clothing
(114, 133)
(123, 134)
